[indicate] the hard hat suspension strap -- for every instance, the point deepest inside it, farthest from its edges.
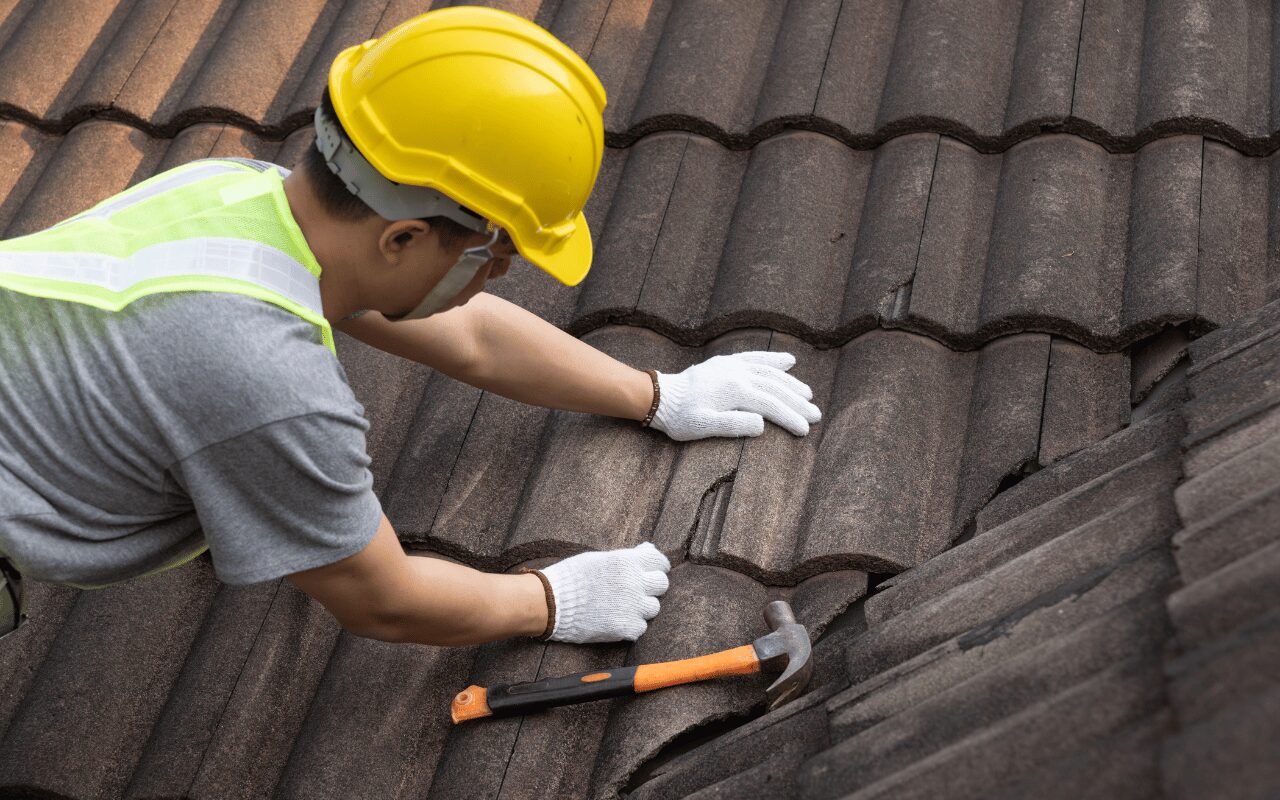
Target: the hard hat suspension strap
(391, 200)
(458, 276)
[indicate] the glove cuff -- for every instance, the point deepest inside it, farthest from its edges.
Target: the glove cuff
(657, 397)
(673, 389)
(569, 597)
(551, 603)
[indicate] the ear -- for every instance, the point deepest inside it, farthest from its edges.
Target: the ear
(399, 235)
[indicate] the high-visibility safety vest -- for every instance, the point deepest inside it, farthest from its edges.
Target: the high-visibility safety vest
(214, 225)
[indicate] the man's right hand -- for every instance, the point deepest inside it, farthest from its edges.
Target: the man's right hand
(382, 593)
(607, 596)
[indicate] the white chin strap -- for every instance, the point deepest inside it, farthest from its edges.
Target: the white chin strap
(454, 281)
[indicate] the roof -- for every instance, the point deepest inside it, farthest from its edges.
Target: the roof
(1035, 542)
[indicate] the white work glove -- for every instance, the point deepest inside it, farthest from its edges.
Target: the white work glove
(732, 396)
(607, 596)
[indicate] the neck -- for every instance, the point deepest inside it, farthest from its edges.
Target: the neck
(334, 243)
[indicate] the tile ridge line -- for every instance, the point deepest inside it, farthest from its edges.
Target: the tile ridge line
(1245, 145)
(841, 335)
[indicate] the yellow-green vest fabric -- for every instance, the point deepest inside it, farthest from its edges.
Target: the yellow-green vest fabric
(208, 226)
(216, 225)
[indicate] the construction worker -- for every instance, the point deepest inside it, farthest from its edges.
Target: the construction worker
(167, 367)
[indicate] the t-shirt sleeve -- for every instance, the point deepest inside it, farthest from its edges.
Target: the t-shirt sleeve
(284, 497)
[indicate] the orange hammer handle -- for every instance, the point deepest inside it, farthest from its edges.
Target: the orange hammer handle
(475, 702)
(738, 661)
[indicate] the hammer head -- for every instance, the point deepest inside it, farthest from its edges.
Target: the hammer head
(786, 648)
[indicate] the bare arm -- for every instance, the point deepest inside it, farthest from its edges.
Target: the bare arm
(382, 593)
(499, 347)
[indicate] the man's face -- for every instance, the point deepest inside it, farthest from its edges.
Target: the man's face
(503, 249)
(428, 260)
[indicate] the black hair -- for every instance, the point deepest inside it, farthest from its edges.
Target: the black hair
(339, 202)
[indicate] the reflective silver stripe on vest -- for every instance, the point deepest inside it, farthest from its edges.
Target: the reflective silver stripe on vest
(172, 182)
(260, 166)
(242, 259)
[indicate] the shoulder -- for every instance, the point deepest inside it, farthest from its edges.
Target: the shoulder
(240, 362)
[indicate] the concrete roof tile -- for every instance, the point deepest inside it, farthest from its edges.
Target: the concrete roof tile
(1207, 681)
(858, 67)
(1206, 62)
(397, 697)
(25, 649)
(1233, 403)
(709, 65)
(1232, 435)
(257, 62)
(257, 727)
(1227, 534)
(991, 74)
(801, 56)
(1081, 405)
(1239, 741)
(1236, 202)
(928, 190)
(891, 739)
(1162, 251)
(626, 240)
(793, 232)
(1043, 79)
(679, 278)
(958, 661)
(111, 668)
(1109, 67)
(474, 758)
(951, 61)
(190, 719)
(1090, 508)
(1124, 763)
(1224, 347)
(868, 499)
(391, 389)
(24, 154)
(555, 752)
(1159, 432)
(1216, 603)
(891, 226)
(1151, 361)
(1096, 552)
(78, 175)
(1215, 380)
(51, 49)
(1253, 473)
(972, 767)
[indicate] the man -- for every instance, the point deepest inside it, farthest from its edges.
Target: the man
(166, 358)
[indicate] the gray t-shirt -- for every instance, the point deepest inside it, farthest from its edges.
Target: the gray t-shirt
(128, 438)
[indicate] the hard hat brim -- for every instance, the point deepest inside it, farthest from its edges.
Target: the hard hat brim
(568, 264)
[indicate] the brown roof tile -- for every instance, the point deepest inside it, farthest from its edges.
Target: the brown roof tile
(962, 219)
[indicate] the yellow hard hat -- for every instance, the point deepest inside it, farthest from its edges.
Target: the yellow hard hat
(487, 109)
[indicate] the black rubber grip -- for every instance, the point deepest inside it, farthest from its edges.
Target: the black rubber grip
(525, 698)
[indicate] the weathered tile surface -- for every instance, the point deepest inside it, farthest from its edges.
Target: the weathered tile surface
(985, 229)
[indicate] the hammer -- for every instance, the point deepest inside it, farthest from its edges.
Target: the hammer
(786, 647)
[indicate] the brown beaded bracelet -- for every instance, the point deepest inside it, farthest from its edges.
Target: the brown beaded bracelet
(551, 603)
(657, 395)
